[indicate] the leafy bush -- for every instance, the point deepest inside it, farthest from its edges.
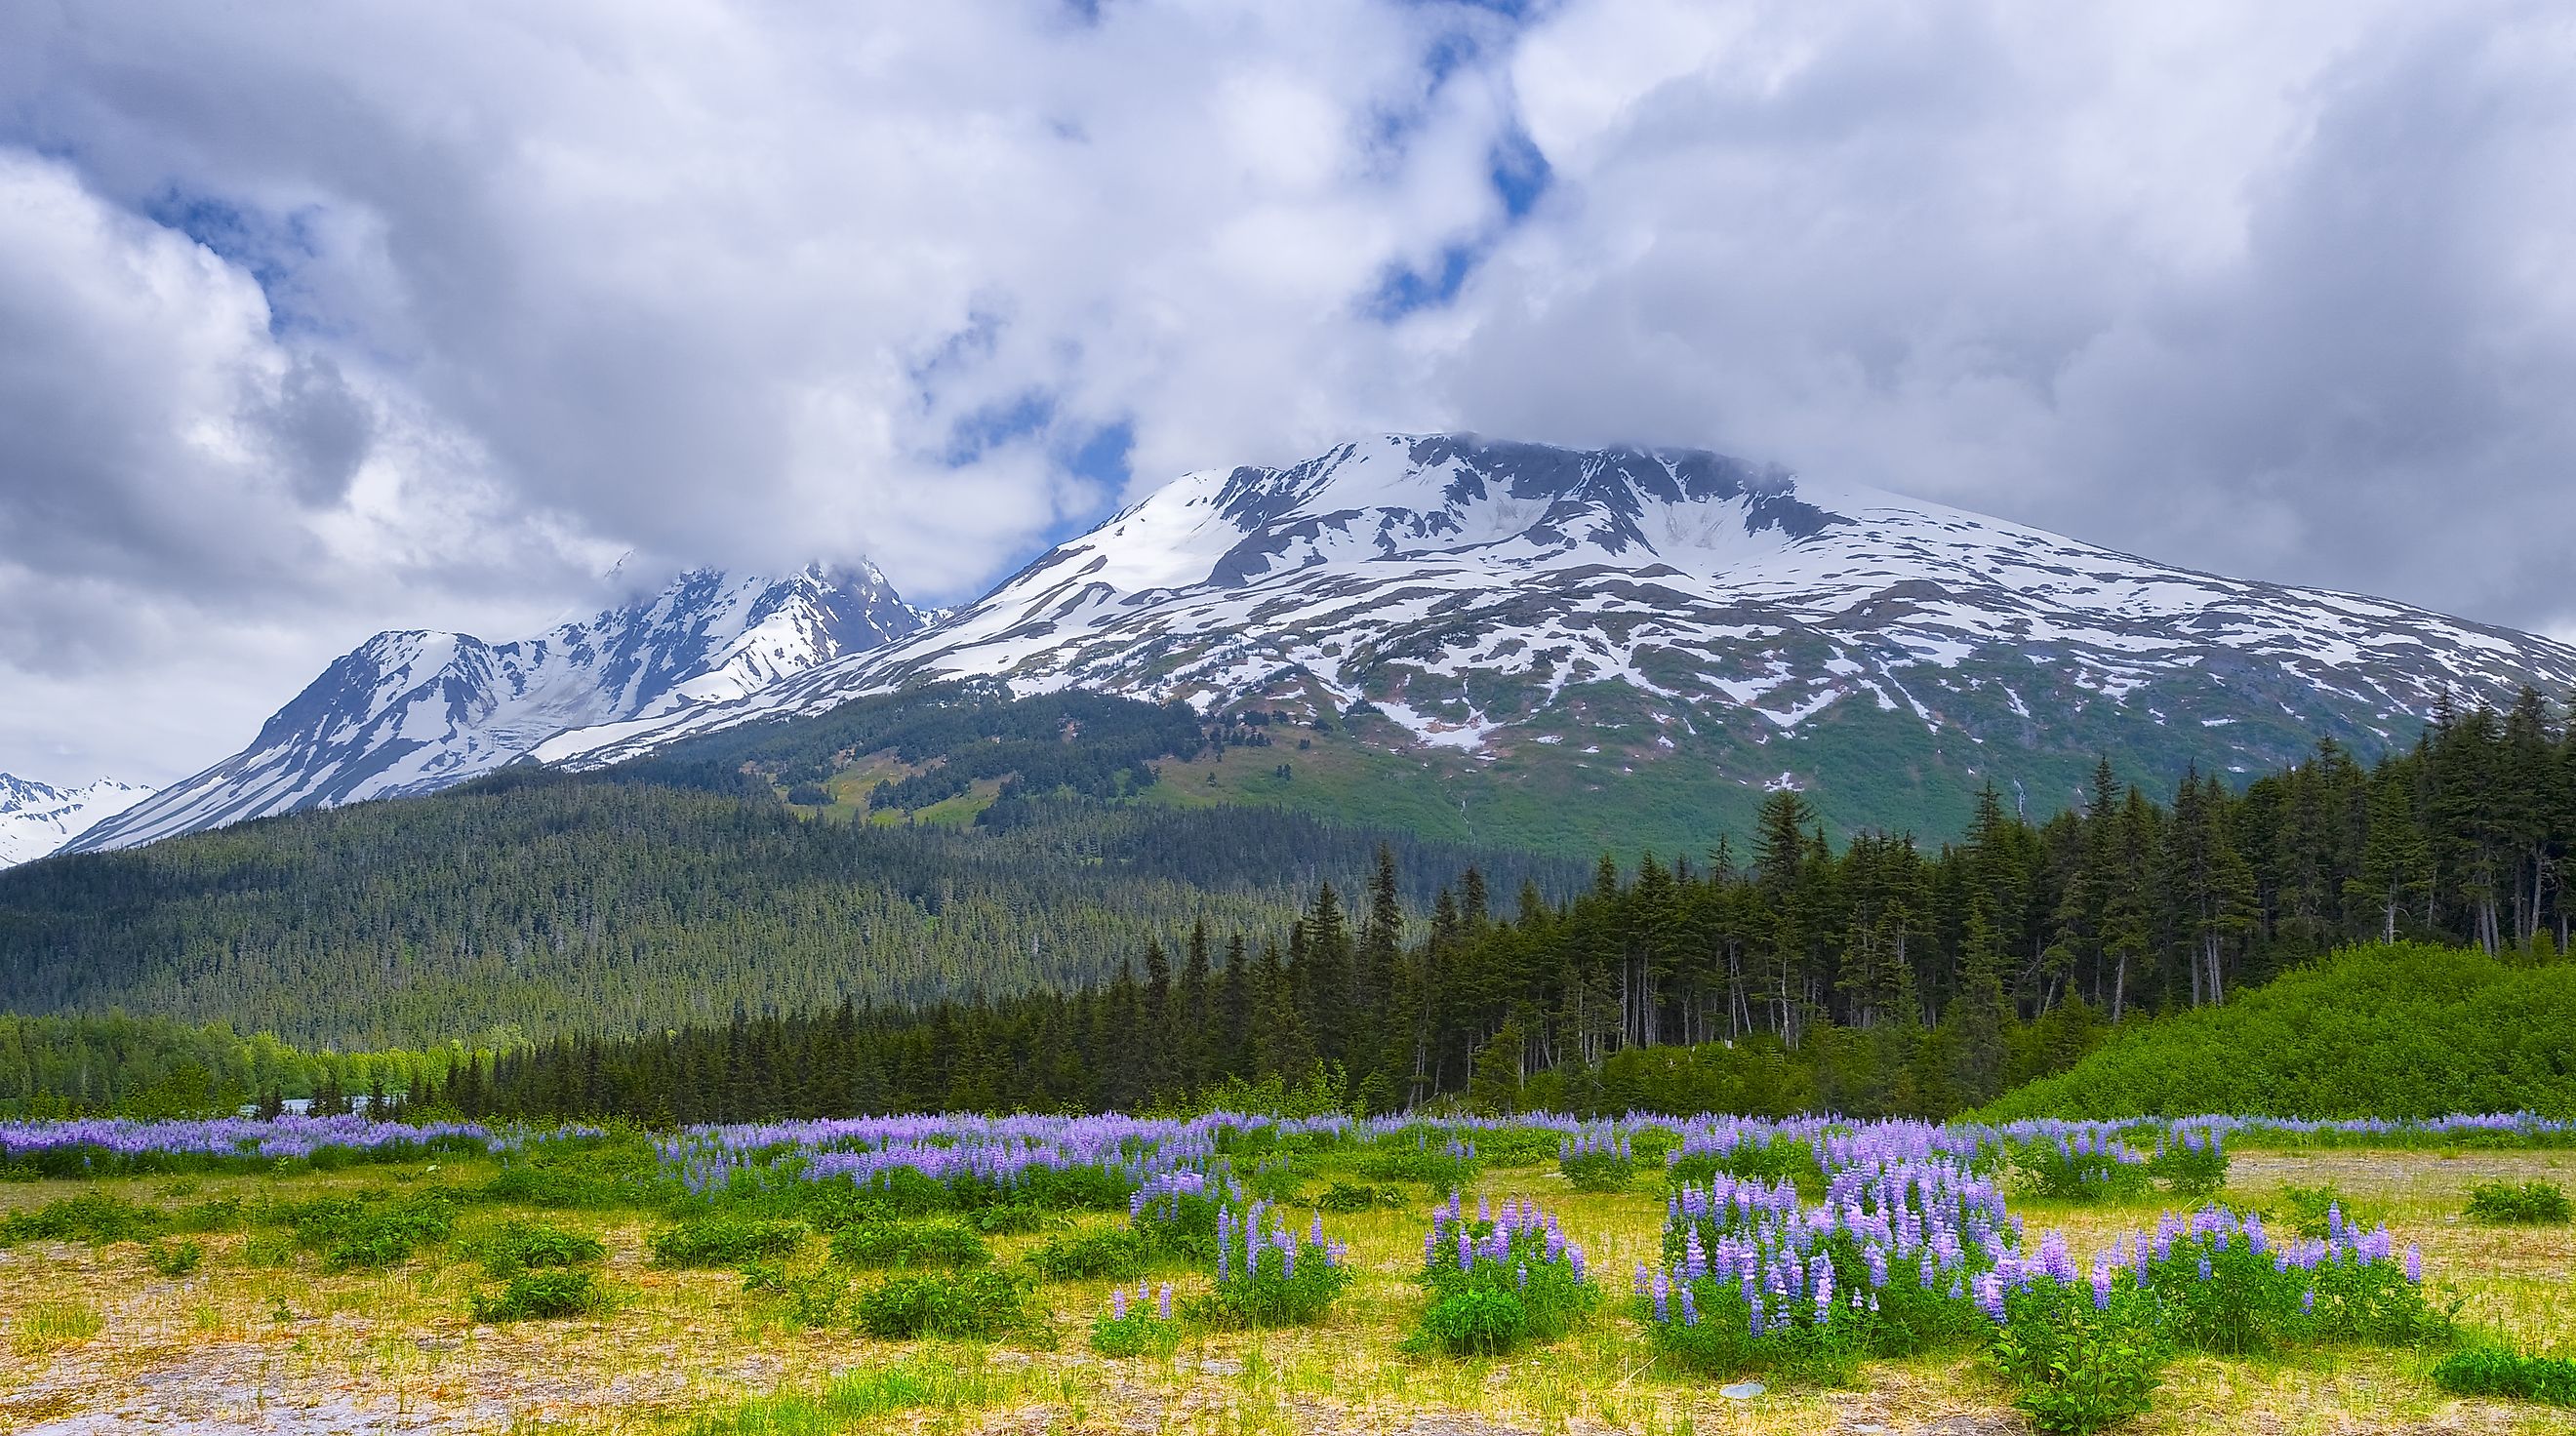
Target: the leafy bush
(92, 1217)
(2225, 1287)
(2533, 1203)
(2086, 1167)
(1267, 1277)
(725, 1241)
(550, 1295)
(215, 1214)
(369, 1231)
(2493, 1371)
(1476, 1321)
(1358, 1197)
(2392, 1031)
(1178, 1212)
(1136, 1326)
(2315, 1211)
(982, 1303)
(1090, 1254)
(2081, 1359)
(1765, 1159)
(1447, 1167)
(174, 1259)
(1009, 1219)
(909, 1244)
(1518, 1255)
(521, 1246)
(2193, 1163)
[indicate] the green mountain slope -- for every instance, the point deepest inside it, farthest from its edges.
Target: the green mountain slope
(2383, 1031)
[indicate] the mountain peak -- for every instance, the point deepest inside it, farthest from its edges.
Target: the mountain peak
(412, 711)
(38, 818)
(1488, 595)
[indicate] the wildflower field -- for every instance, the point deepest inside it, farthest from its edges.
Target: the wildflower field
(1247, 1274)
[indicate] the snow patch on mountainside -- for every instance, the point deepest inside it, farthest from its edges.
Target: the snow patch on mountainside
(1397, 568)
(38, 818)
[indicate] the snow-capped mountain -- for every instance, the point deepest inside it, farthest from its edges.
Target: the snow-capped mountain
(1487, 596)
(37, 818)
(412, 712)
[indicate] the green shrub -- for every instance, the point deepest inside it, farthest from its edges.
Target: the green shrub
(2192, 1164)
(1476, 1321)
(982, 1303)
(2493, 1371)
(1135, 1325)
(2532, 1203)
(215, 1214)
(2313, 1211)
(2084, 1168)
(521, 1246)
(1547, 1293)
(909, 1244)
(1598, 1171)
(174, 1259)
(550, 1295)
(1444, 1168)
(92, 1217)
(2077, 1366)
(1010, 1219)
(1358, 1197)
(725, 1241)
(372, 1230)
(1266, 1277)
(1090, 1255)
(1769, 1159)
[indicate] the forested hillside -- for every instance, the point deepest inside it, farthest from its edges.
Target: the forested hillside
(2387, 1031)
(542, 902)
(1873, 979)
(618, 902)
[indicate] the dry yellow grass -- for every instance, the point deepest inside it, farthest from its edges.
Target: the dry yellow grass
(95, 1340)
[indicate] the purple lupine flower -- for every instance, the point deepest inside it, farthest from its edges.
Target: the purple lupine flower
(2414, 1264)
(1163, 1302)
(1690, 1308)
(1118, 1304)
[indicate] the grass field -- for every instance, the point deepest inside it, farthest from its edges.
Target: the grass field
(262, 1339)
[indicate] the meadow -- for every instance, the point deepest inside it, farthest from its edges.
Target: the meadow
(972, 1274)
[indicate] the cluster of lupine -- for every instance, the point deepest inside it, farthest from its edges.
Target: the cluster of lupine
(1183, 1210)
(108, 1146)
(1269, 1275)
(1596, 1159)
(1162, 1306)
(1883, 1263)
(1500, 1277)
(2191, 1159)
(2081, 1166)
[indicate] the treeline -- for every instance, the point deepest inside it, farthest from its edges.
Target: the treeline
(1878, 978)
(53, 1067)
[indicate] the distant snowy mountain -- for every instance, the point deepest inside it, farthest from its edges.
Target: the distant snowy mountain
(38, 818)
(1488, 596)
(412, 712)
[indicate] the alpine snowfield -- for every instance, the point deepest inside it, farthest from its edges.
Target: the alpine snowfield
(1478, 592)
(38, 818)
(414, 712)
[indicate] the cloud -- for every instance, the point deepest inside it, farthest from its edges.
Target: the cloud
(374, 316)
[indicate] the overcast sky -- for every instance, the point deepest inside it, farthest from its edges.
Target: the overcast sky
(317, 320)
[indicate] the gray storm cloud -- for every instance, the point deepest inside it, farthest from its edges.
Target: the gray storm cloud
(327, 321)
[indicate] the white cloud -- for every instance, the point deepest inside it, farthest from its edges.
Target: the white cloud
(496, 292)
